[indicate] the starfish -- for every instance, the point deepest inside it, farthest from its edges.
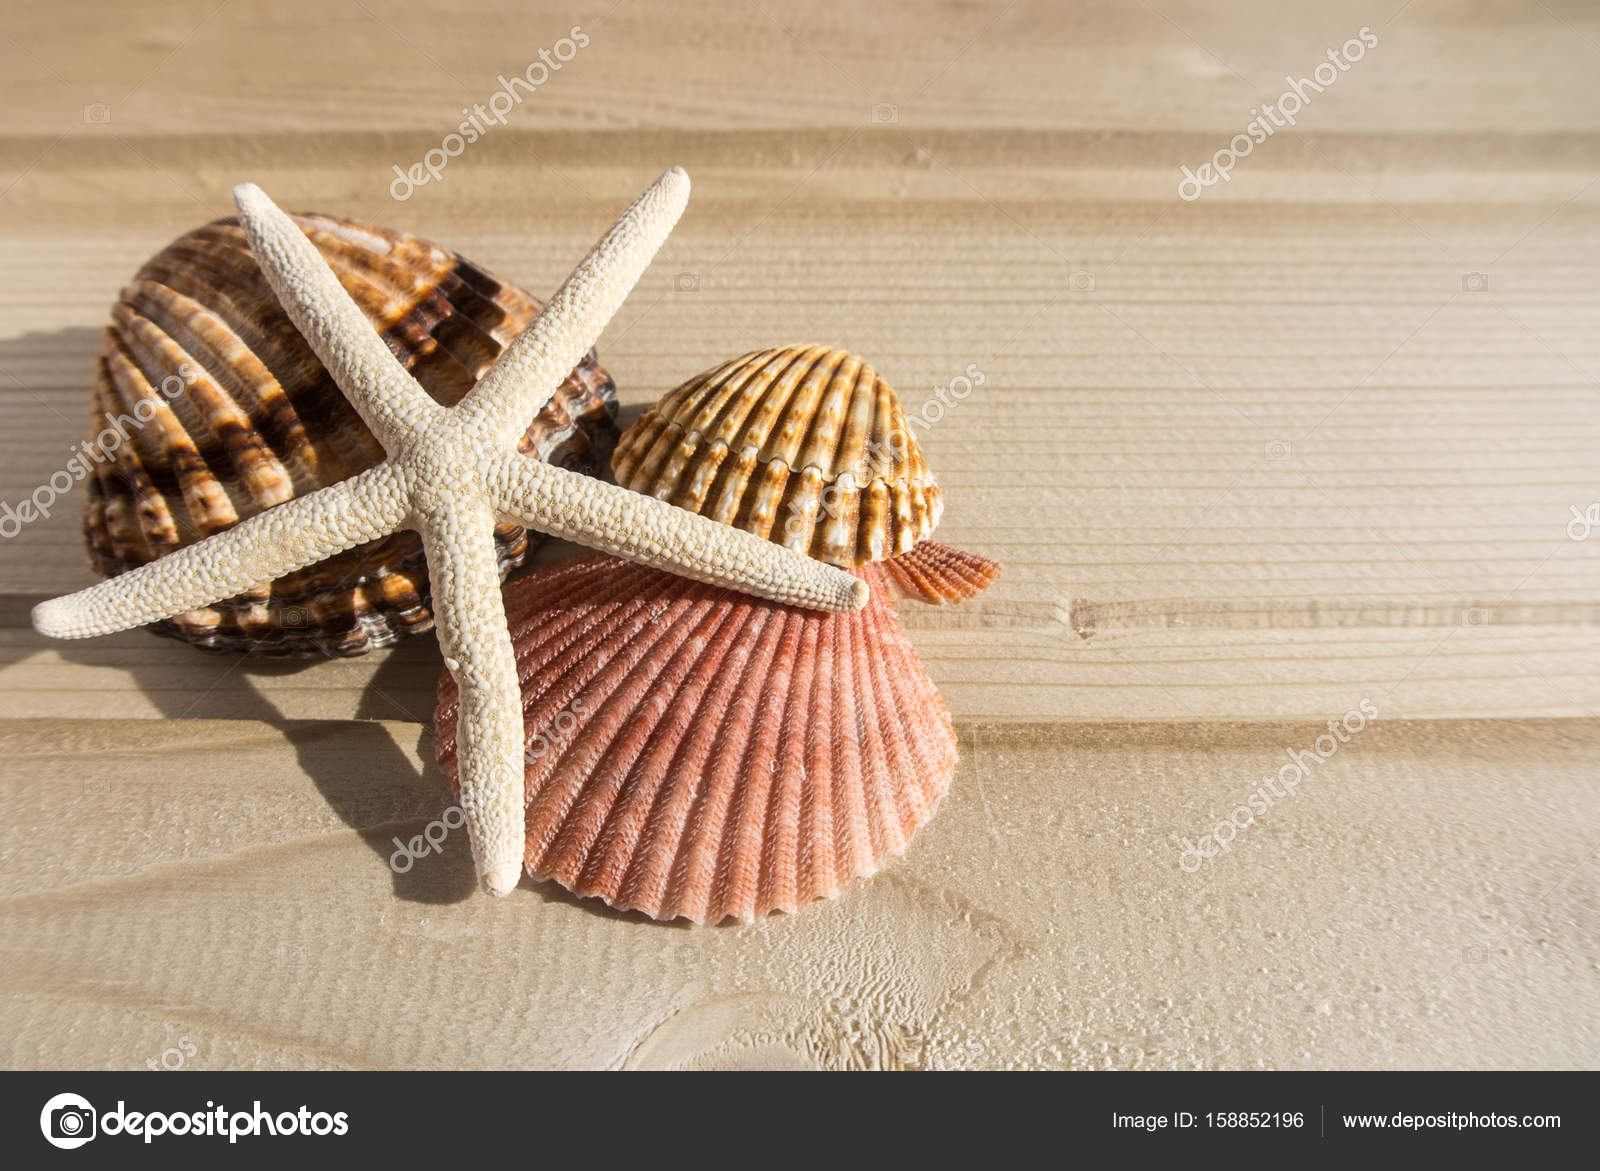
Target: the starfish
(452, 474)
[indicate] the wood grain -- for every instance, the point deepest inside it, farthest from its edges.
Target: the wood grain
(1041, 919)
(1313, 438)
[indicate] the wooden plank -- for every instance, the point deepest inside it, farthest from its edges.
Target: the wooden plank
(1313, 438)
(1326, 468)
(1043, 918)
(678, 64)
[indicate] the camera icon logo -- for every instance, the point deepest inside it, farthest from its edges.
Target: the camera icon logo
(67, 1121)
(884, 114)
(1081, 282)
(1475, 282)
(687, 282)
(96, 112)
(1279, 450)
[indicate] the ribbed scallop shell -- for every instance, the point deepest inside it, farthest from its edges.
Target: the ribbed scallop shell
(937, 574)
(803, 445)
(263, 421)
(694, 752)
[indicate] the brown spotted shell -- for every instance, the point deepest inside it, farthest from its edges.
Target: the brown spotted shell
(226, 412)
(803, 445)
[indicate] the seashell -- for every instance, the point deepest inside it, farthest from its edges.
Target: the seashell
(227, 412)
(694, 752)
(803, 445)
(938, 574)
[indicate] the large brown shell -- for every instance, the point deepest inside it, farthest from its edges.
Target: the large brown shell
(698, 753)
(803, 445)
(262, 421)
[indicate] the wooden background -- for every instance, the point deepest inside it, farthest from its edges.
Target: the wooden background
(1313, 438)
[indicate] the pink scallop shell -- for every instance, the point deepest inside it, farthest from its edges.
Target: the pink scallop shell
(701, 754)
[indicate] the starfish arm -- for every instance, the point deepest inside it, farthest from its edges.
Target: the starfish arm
(520, 383)
(652, 532)
(391, 403)
(294, 534)
(471, 621)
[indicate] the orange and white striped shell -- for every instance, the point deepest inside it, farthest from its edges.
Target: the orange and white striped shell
(803, 445)
(697, 753)
(209, 407)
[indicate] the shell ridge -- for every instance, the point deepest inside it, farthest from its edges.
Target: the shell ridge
(936, 574)
(679, 435)
(620, 842)
(213, 346)
(649, 872)
(737, 871)
(852, 837)
(892, 733)
(689, 880)
(161, 462)
(817, 852)
(779, 883)
(883, 820)
(696, 880)
(644, 657)
(764, 406)
(220, 429)
(728, 406)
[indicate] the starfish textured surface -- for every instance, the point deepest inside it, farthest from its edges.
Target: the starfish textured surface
(451, 474)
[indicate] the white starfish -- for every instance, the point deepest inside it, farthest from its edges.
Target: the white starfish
(451, 474)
